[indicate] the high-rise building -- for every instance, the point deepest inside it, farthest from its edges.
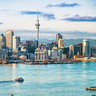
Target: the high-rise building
(2, 38)
(2, 41)
(86, 48)
(51, 45)
(3, 53)
(60, 52)
(61, 43)
(81, 47)
(9, 39)
(54, 53)
(66, 51)
(58, 36)
(28, 43)
(49, 54)
(37, 28)
(15, 43)
(93, 51)
(19, 42)
(31, 46)
(74, 50)
(36, 44)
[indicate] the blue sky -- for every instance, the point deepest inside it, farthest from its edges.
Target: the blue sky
(72, 18)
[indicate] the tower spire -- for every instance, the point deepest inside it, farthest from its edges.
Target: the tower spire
(37, 27)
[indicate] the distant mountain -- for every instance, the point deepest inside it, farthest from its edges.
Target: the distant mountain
(68, 42)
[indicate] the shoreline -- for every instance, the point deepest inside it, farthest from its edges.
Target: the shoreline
(39, 63)
(72, 61)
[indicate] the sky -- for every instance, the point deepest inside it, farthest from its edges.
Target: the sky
(71, 18)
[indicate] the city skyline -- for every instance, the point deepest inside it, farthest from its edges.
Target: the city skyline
(55, 17)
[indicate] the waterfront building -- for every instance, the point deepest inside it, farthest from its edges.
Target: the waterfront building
(74, 50)
(81, 47)
(93, 51)
(9, 39)
(3, 53)
(41, 54)
(60, 52)
(58, 36)
(37, 28)
(86, 48)
(15, 44)
(66, 51)
(49, 54)
(78, 57)
(61, 43)
(51, 45)
(64, 57)
(54, 53)
(2, 41)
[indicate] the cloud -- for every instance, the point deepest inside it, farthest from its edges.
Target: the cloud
(63, 5)
(29, 12)
(66, 14)
(1, 23)
(5, 10)
(47, 16)
(78, 18)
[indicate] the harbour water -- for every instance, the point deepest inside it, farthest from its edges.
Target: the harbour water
(48, 80)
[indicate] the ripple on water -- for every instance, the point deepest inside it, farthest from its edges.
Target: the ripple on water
(49, 80)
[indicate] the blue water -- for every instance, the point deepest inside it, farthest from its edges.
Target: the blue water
(48, 80)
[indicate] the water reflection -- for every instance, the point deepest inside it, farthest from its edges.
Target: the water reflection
(48, 65)
(18, 83)
(84, 76)
(13, 70)
(84, 64)
(84, 71)
(58, 65)
(49, 80)
(59, 73)
(8, 65)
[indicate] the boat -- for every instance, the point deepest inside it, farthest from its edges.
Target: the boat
(91, 88)
(10, 95)
(19, 79)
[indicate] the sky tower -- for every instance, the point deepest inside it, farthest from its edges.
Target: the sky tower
(37, 28)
